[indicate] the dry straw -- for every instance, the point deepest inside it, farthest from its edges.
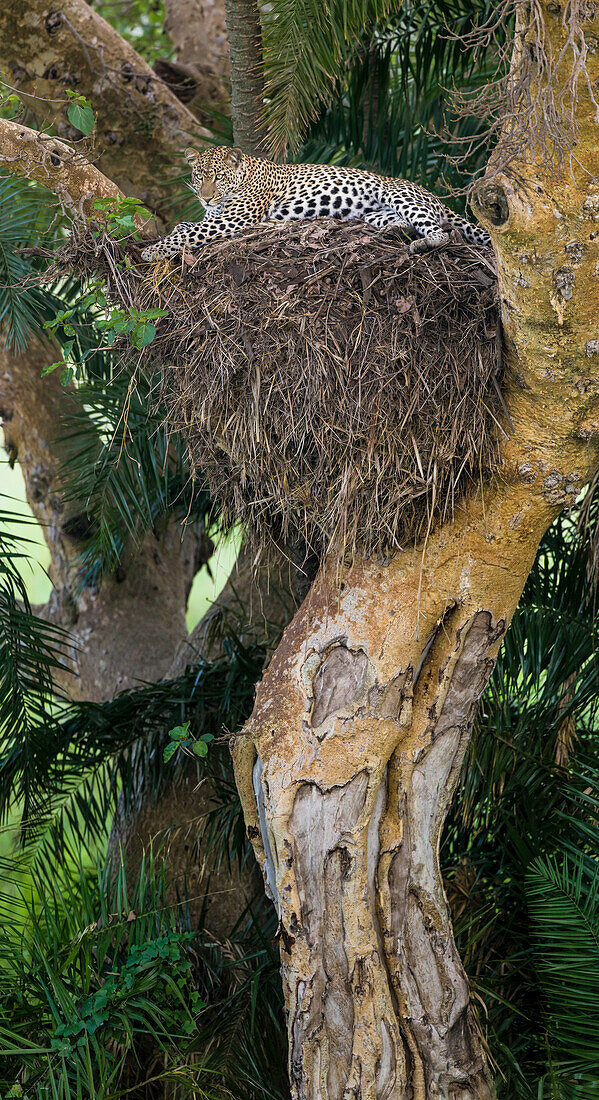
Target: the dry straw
(328, 384)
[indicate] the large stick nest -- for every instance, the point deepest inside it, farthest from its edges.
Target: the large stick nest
(328, 383)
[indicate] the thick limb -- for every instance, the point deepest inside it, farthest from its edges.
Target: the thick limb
(141, 126)
(346, 771)
(348, 763)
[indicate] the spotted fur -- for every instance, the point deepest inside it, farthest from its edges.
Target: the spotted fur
(237, 191)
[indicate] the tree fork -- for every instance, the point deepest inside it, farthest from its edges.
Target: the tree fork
(348, 763)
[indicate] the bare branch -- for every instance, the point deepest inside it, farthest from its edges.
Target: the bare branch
(35, 156)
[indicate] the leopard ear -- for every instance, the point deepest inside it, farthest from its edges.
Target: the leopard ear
(234, 157)
(191, 155)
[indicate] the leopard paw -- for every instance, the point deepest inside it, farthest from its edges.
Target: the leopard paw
(427, 244)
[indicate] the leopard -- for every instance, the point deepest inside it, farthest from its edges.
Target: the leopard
(238, 191)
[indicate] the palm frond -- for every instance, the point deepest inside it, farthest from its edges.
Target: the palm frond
(306, 44)
(95, 754)
(31, 651)
(28, 215)
(105, 988)
(122, 473)
(563, 899)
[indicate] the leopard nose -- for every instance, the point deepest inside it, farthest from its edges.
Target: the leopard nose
(207, 189)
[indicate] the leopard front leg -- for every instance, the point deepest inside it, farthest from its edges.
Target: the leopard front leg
(186, 233)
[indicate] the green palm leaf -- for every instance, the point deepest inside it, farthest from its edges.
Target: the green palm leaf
(28, 215)
(306, 44)
(563, 899)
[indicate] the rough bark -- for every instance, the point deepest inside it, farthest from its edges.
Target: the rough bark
(130, 628)
(126, 631)
(197, 29)
(123, 633)
(141, 126)
(247, 82)
(349, 761)
(112, 648)
(35, 156)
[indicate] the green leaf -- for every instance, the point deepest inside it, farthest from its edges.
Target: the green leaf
(142, 334)
(178, 733)
(82, 118)
(67, 376)
(200, 748)
(50, 367)
(170, 750)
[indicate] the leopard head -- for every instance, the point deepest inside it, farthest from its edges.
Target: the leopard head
(215, 173)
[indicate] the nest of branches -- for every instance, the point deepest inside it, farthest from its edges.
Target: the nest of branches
(329, 385)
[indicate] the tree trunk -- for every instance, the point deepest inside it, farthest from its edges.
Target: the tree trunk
(346, 771)
(347, 766)
(198, 31)
(129, 630)
(247, 83)
(125, 632)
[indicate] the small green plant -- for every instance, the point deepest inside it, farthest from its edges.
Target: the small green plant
(182, 739)
(135, 324)
(119, 215)
(10, 104)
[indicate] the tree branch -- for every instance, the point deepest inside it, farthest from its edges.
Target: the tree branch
(48, 161)
(348, 763)
(141, 127)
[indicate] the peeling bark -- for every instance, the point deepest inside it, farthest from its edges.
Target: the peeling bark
(352, 810)
(348, 763)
